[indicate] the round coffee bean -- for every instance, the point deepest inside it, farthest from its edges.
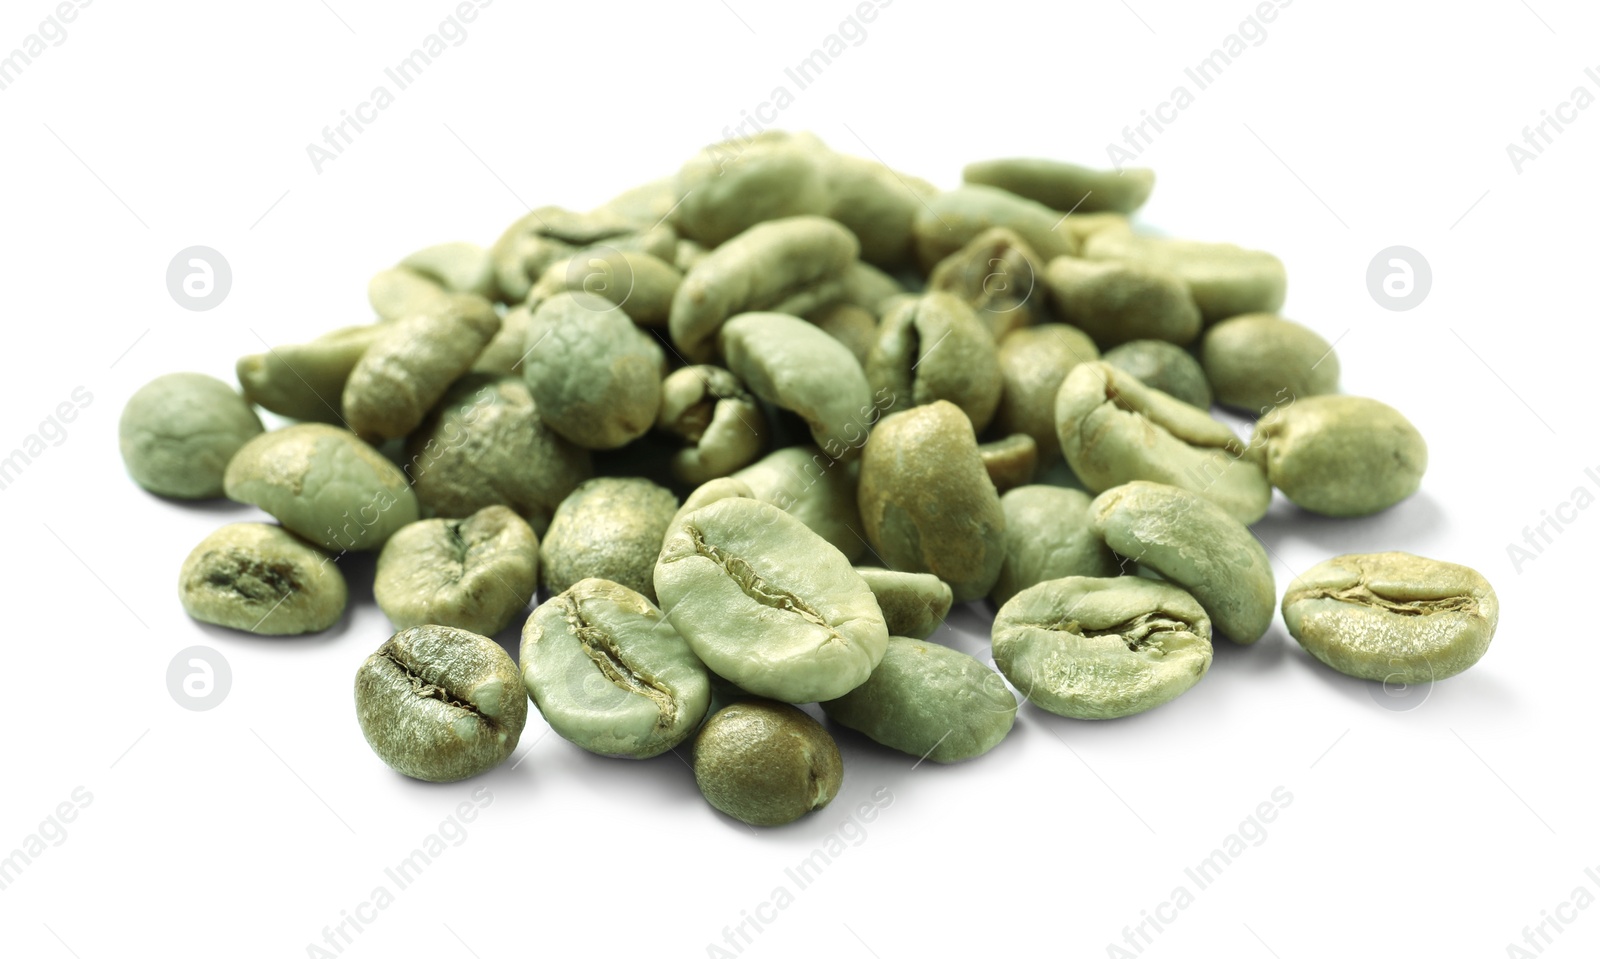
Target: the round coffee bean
(766, 763)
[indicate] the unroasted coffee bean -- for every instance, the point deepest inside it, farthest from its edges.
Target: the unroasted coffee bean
(913, 604)
(398, 293)
(543, 236)
(795, 366)
(1392, 617)
(1163, 366)
(929, 701)
(1102, 648)
(306, 381)
(594, 376)
(934, 348)
(711, 410)
(1225, 280)
(262, 579)
(1048, 536)
(729, 187)
(1257, 360)
(725, 487)
(609, 528)
(766, 763)
(1066, 186)
(951, 220)
(475, 574)
(1000, 277)
(927, 501)
(504, 354)
(610, 674)
(768, 604)
(1033, 364)
(813, 488)
(323, 483)
(179, 431)
(1340, 455)
(1116, 302)
(485, 445)
(1010, 462)
(855, 327)
(878, 204)
(440, 704)
(642, 285)
(458, 267)
(411, 364)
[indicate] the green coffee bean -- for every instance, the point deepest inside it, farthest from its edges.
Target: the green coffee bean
(927, 502)
(179, 431)
(768, 604)
(791, 265)
(610, 674)
(262, 579)
(710, 409)
(503, 356)
(411, 364)
(1048, 536)
(485, 445)
(324, 484)
(1080, 226)
(306, 381)
(795, 366)
(1066, 186)
(1010, 462)
(877, 204)
(725, 487)
(1225, 280)
(595, 377)
(645, 205)
(1116, 302)
(729, 187)
(765, 763)
(1114, 429)
(475, 574)
(851, 325)
(950, 221)
(609, 528)
(1033, 364)
(1195, 544)
(1392, 617)
(398, 293)
(1254, 361)
(1000, 277)
(458, 267)
(642, 285)
(934, 348)
(440, 704)
(816, 490)
(1163, 366)
(1090, 648)
(867, 287)
(1341, 455)
(929, 701)
(913, 604)
(530, 245)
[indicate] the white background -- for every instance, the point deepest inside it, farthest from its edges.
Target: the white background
(1439, 830)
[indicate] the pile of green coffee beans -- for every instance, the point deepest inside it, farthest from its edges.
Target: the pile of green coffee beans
(755, 427)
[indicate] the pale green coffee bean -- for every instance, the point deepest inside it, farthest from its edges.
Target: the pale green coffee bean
(1116, 302)
(458, 267)
(411, 364)
(1196, 544)
(642, 285)
(1066, 186)
(1256, 361)
(1341, 455)
(306, 381)
(485, 445)
(503, 355)
(932, 348)
(792, 265)
(323, 483)
(261, 579)
(795, 366)
(687, 254)
(879, 205)
(729, 187)
(609, 528)
(610, 674)
(594, 375)
(1048, 536)
(867, 286)
(475, 574)
(1081, 226)
(1010, 462)
(950, 221)
(646, 204)
(724, 487)
(1033, 364)
(927, 502)
(929, 701)
(1225, 280)
(1091, 648)
(1114, 429)
(768, 604)
(708, 408)
(440, 704)
(813, 488)
(397, 293)
(1392, 617)
(766, 763)
(1000, 277)
(179, 431)
(1163, 366)
(913, 604)
(855, 327)
(543, 236)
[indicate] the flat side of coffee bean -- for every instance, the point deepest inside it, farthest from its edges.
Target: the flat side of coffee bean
(1102, 648)
(1066, 186)
(929, 701)
(440, 704)
(766, 763)
(1392, 617)
(178, 432)
(1196, 544)
(261, 579)
(913, 604)
(475, 574)
(767, 603)
(610, 674)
